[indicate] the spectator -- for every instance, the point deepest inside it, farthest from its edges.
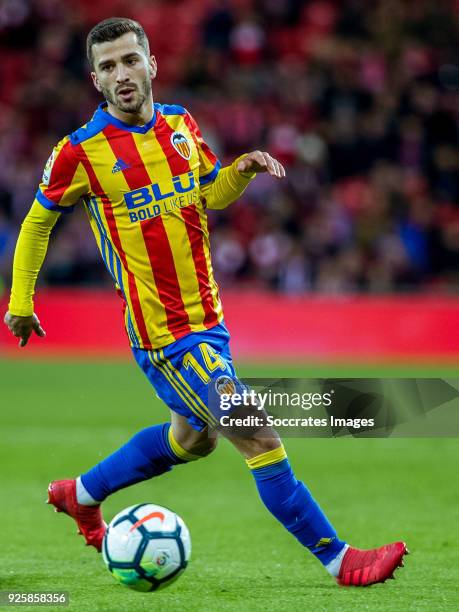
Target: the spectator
(359, 100)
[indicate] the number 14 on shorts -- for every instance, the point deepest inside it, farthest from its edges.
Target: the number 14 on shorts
(211, 359)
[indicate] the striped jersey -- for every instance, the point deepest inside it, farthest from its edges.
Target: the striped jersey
(141, 189)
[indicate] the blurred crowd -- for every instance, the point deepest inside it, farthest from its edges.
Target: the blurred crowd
(359, 100)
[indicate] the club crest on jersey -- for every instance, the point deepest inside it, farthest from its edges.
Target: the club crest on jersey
(181, 145)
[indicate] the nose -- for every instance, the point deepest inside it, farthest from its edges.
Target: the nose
(121, 73)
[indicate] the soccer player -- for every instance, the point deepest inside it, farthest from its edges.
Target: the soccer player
(145, 176)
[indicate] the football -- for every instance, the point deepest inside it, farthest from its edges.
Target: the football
(146, 547)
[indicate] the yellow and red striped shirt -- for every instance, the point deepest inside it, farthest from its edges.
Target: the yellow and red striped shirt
(141, 188)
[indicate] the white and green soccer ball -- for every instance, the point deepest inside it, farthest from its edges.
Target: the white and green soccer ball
(146, 547)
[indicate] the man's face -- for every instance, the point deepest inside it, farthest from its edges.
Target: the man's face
(123, 72)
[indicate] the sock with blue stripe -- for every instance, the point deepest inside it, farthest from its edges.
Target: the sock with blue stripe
(293, 505)
(149, 453)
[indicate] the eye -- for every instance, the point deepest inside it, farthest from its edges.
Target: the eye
(132, 61)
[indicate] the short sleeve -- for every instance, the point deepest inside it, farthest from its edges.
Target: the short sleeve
(209, 164)
(64, 179)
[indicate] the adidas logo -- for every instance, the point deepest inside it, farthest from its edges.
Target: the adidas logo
(119, 166)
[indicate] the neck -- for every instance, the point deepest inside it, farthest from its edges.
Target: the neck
(143, 116)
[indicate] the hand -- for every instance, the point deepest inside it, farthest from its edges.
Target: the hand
(258, 161)
(22, 327)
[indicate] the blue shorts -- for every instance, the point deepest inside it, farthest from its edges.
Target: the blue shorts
(182, 371)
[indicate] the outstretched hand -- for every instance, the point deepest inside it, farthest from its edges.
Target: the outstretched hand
(22, 327)
(260, 161)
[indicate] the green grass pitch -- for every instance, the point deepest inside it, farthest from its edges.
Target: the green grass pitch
(59, 418)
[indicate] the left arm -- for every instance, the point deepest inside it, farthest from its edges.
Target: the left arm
(232, 181)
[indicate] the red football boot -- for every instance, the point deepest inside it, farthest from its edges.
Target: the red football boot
(365, 567)
(62, 495)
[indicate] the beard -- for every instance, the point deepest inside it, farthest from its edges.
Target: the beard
(134, 105)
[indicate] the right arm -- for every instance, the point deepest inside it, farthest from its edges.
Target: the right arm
(28, 258)
(64, 182)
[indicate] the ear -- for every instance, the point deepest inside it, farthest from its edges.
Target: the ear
(153, 66)
(95, 81)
